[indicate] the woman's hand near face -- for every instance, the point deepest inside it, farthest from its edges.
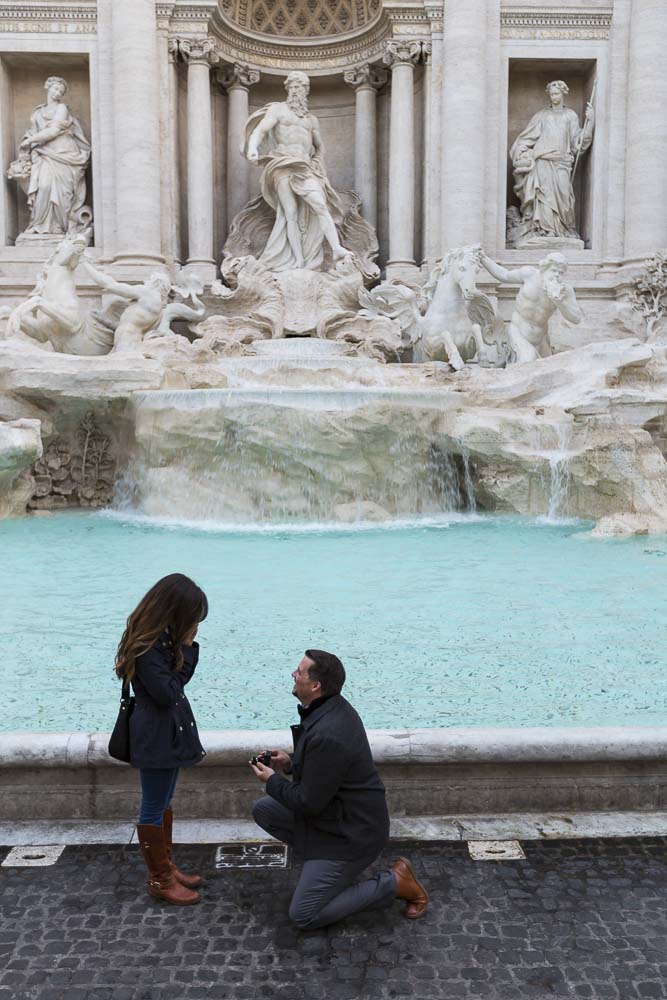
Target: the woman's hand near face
(191, 636)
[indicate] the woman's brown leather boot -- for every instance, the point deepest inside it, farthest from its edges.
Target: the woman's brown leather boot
(191, 881)
(162, 883)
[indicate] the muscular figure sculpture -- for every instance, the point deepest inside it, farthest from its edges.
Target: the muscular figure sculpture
(285, 139)
(147, 303)
(542, 292)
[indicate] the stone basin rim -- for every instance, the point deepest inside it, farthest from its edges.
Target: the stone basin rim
(473, 745)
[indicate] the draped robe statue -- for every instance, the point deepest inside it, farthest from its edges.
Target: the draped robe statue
(284, 139)
(543, 157)
(53, 157)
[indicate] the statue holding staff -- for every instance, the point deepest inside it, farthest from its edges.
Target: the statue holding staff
(543, 158)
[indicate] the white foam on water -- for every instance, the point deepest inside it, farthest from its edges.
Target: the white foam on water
(293, 527)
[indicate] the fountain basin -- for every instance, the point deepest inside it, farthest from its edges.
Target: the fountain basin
(486, 622)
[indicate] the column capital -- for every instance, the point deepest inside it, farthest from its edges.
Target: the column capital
(198, 50)
(366, 77)
(427, 50)
(402, 52)
(173, 48)
(237, 77)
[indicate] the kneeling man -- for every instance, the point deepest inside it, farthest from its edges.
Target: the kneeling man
(333, 811)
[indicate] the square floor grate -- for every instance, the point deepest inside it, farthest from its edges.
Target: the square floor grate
(495, 850)
(33, 857)
(271, 855)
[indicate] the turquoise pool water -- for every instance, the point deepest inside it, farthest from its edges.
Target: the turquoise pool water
(461, 621)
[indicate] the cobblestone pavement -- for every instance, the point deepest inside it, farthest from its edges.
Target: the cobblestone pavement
(575, 919)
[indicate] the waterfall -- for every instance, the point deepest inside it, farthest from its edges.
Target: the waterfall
(307, 454)
(471, 503)
(559, 464)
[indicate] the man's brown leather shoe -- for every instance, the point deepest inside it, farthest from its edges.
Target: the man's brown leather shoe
(408, 888)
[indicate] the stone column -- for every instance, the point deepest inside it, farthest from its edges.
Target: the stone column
(646, 156)
(237, 80)
(366, 81)
(402, 57)
(464, 122)
(431, 215)
(200, 54)
(136, 116)
(172, 224)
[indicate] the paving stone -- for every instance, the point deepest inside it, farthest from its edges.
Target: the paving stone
(577, 920)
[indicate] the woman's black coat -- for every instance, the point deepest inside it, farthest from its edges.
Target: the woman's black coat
(163, 731)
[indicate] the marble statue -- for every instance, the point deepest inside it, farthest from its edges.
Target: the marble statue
(544, 159)
(296, 257)
(455, 323)
(284, 138)
(51, 167)
(53, 315)
(542, 293)
(144, 309)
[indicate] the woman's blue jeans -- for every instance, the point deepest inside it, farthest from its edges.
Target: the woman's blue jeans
(157, 789)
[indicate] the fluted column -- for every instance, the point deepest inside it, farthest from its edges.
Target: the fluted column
(136, 114)
(646, 157)
(237, 80)
(464, 122)
(200, 54)
(366, 81)
(402, 56)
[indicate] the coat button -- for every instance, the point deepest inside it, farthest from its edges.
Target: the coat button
(181, 728)
(192, 723)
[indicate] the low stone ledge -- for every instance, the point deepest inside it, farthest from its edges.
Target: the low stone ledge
(233, 747)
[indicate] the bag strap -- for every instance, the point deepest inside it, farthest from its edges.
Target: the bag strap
(122, 689)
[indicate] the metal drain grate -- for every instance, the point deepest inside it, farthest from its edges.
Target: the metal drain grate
(33, 857)
(495, 850)
(271, 855)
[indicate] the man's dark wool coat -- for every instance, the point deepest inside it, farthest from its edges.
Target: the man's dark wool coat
(163, 731)
(336, 795)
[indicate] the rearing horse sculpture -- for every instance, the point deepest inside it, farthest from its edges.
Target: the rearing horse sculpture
(459, 323)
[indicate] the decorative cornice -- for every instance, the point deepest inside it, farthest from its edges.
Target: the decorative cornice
(402, 52)
(366, 77)
(237, 77)
(555, 24)
(49, 18)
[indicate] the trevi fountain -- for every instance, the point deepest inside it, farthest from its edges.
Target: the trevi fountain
(362, 287)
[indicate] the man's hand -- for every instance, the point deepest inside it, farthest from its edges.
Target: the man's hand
(280, 761)
(252, 155)
(262, 773)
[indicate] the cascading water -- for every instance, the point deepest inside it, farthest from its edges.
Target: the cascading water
(559, 464)
(272, 453)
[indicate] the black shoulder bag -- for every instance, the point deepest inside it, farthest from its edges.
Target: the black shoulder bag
(119, 744)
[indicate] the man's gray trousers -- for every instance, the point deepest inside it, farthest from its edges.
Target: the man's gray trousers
(327, 891)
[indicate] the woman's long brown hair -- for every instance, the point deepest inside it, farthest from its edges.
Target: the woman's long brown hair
(174, 602)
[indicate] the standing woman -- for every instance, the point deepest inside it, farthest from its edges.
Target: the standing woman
(158, 656)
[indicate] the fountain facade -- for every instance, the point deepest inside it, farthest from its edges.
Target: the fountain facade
(316, 266)
(353, 262)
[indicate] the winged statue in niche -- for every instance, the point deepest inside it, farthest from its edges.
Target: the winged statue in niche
(449, 319)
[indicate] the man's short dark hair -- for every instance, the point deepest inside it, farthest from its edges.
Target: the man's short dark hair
(327, 669)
